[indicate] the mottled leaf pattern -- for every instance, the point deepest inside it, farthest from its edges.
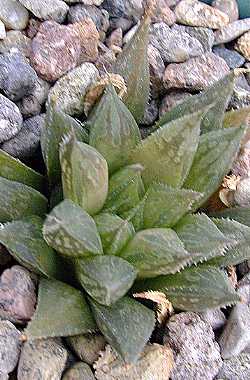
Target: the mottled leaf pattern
(240, 214)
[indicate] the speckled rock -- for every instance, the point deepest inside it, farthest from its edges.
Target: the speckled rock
(11, 120)
(86, 2)
(42, 359)
(33, 27)
(156, 69)
(174, 46)
(115, 38)
(120, 22)
(232, 31)
(17, 77)
(13, 14)
(130, 9)
(230, 7)
(106, 59)
(232, 58)
(243, 45)
(240, 98)
(247, 65)
(151, 113)
(214, 317)
(195, 13)
(236, 368)
(16, 41)
(155, 363)
(10, 345)
(17, 295)
(79, 371)
(197, 355)
(69, 91)
(163, 13)
(205, 70)
(27, 141)
(87, 347)
(47, 9)
(2, 31)
(31, 105)
(204, 35)
(171, 100)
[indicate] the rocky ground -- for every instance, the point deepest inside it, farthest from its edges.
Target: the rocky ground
(56, 49)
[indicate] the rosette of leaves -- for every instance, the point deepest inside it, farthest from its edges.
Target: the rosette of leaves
(121, 215)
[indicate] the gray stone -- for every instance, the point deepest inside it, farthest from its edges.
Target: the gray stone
(232, 31)
(79, 371)
(197, 355)
(151, 113)
(204, 35)
(2, 31)
(174, 46)
(120, 22)
(17, 295)
(240, 98)
(42, 359)
(156, 68)
(11, 120)
(130, 9)
(85, 2)
(163, 13)
(243, 45)
(232, 58)
(47, 9)
(115, 38)
(171, 100)
(214, 317)
(31, 105)
(17, 77)
(15, 42)
(13, 14)
(69, 91)
(26, 142)
(10, 345)
(230, 7)
(197, 73)
(87, 347)
(236, 368)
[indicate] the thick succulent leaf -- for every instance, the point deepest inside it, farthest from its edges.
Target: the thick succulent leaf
(165, 206)
(106, 278)
(136, 215)
(114, 232)
(156, 251)
(216, 96)
(215, 155)
(113, 130)
(57, 124)
(168, 153)
(127, 325)
(201, 238)
(241, 250)
(84, 175)
(237, 118)
(240, 214)
(132, 64)
(15, 170)
(24, 240)
(196, 288)
(125, 189)
(18, 201)
(71, 231)
(61, 311)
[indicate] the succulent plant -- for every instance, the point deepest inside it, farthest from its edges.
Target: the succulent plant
(125, 215)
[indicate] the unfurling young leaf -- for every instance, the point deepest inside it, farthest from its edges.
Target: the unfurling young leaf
(195, 289)
(156, 251)
(113, 130)
(215, 155)
(57, 124)
(126, 325)
(18, 201)
(105, 278)
(84, 175)
(61, 311)
(168, 153)
(15, 170)
(24, 240)
(71, 231)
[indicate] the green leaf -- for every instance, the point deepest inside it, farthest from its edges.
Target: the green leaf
(156, 251)
(132, 64)
(237, 118)
(195, 289)
(240, 214)
(125, 190)
(168, 153)
(240, 251)
(202, 238)
(105, 278)
(71, 231)
(127, 325)
(217, 96)
(113, 130)
(84, 175)
(213, 160)
(61, 311)
(24, 240)
(57, 124)
(15, 170)
(18, 201)
(114, 232)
